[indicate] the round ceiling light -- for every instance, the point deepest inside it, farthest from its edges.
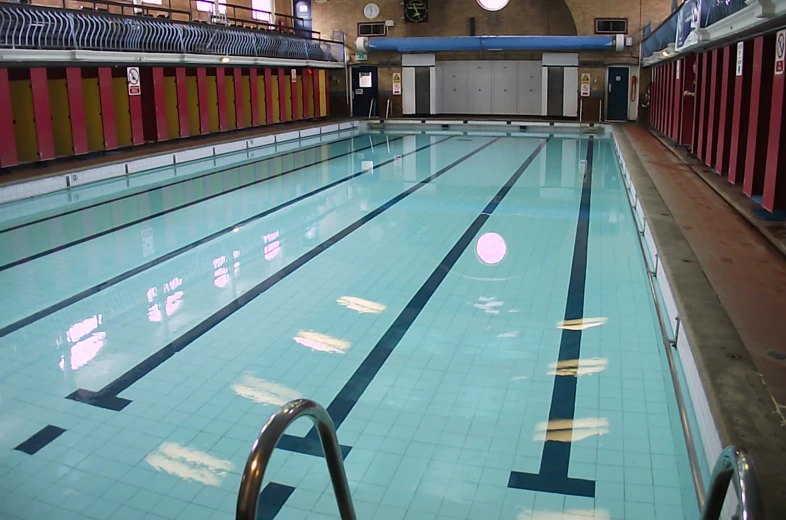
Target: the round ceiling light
(492, 5)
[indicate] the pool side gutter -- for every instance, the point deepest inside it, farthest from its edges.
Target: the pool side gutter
(732, 404)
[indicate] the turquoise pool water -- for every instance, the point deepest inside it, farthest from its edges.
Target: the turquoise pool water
(472, 310)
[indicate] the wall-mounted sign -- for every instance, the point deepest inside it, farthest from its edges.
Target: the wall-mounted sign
(361, 56)
(585, 84)
(740, 52)
(293, 73)
(678, 69)
(780, 52)
(396, 89)
(134, 83)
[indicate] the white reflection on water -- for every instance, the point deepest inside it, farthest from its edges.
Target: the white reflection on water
(322, 342)
(360, 305)
(571, 430)
(578, 367)
(581, 323)
(189, 463)
(265, 392)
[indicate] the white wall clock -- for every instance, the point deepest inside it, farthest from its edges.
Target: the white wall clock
(371, 11)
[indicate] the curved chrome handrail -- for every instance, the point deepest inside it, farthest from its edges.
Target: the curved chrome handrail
(734, 462)
(271, 432)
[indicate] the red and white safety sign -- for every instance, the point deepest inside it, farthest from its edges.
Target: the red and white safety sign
(780, 52)
(134, 84)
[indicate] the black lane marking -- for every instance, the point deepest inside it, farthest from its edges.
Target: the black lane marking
(84, 239)
(272, 499)
(554, 462)
(348, 396)
(180, 181)
(108, 398)
(40, 439)
(351, 392)
(43, 313)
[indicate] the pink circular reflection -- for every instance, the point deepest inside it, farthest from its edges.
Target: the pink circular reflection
(491, 248)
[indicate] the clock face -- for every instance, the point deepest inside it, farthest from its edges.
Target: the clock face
(416, 11)
(371, 11)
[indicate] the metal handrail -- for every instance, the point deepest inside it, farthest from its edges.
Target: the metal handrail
(274, 428)
(734, 462)
(34, 27)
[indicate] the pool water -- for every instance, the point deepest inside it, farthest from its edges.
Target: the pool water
(472, 310)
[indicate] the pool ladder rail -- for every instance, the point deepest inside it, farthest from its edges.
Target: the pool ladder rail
(733, 463)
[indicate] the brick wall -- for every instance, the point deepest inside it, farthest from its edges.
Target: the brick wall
(520, 17)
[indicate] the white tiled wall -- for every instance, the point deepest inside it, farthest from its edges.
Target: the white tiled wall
(708, 431)
(28, 189)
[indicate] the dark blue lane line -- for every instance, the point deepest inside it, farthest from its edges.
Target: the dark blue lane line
(180, 181)
(272, 499)
(108, 398)
(553, 474)
(351, 392)
(43, 313)
(43, 437)
(87, 238)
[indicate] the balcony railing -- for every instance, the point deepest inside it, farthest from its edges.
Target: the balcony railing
(33, 27)
(691, 15)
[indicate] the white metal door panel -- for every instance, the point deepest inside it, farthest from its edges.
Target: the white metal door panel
(454, 87)
(571, 92)
(530, 86)
(503, 87)
(478, 87)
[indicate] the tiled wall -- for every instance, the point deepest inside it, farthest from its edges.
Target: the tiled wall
(706, 438)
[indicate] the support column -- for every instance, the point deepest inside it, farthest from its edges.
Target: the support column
(686, 109)
(182, 101)
(222, 100)
(759, 116)
(108, 116)
(42, 113)
(204, 114)
(76, 110)
(740, 111)
(774, 197)
(269, 96)
(697, 102)
(728, 62)
(239, 117)
(282, 97)
(713, 109)
(704, 104)
(670, 103)
(8, 156)
(677, 101)
(306, 87)
(317, 93)
(252, 81)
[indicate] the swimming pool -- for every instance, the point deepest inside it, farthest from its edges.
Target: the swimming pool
(472, 310)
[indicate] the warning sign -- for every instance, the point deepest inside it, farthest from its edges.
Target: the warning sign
(396, 84)
(780, 52)
(134, 84)
(585, 84)
(396, 77)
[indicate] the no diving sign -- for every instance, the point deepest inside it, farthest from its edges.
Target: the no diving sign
(134, 84)
(780, 52)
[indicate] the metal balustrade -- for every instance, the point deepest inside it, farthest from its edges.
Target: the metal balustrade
(32, 27)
